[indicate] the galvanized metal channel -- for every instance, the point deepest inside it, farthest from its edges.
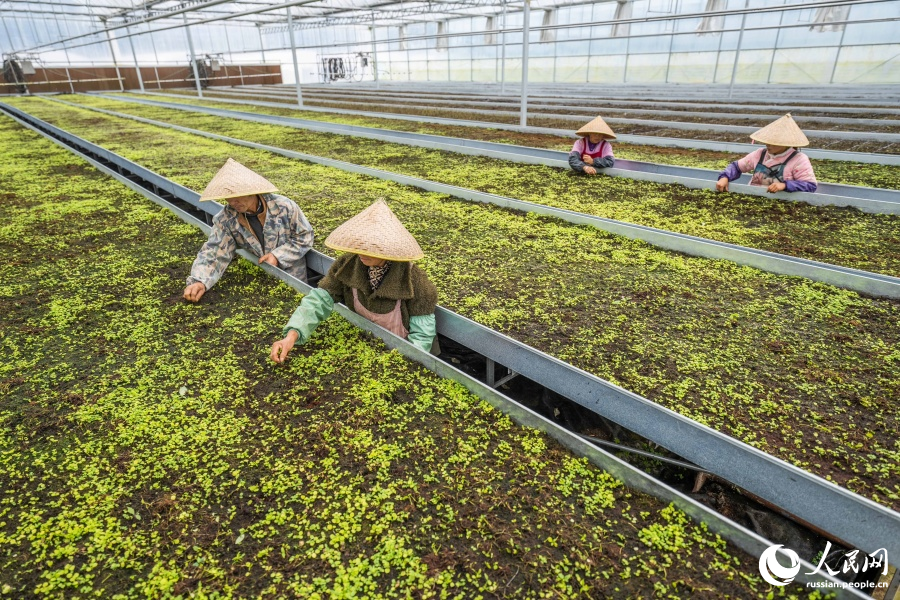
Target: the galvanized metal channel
(847, 516)
(662, 103)
(874, 284)
(872, 200)
(643, 140)
(536, 106)
(683, 125)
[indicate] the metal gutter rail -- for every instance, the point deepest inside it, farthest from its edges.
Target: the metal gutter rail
(547, 104)
(857, 520)
(538, 97)
(532, 114)
(642, 140)
(875, 284)
(866, 199)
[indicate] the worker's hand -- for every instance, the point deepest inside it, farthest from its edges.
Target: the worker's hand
(268, 258)
(722, 185)
(587, 158)
(590, 170)
(282, 347)
(194, 292)
(776, 187)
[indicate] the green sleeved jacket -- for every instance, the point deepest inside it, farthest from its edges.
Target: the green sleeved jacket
(404, 281)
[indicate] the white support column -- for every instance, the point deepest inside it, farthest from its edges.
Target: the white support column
(503, 53)
(69, 78)
(137, 67)
(523, 107)
(374, 53)
(262, 47)
(837, 57)
(156, 61)
(12, 49)
(737, 51)
(294, 56)
(112, 53)
(190, 40)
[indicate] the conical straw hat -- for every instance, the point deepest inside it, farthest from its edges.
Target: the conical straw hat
(234, 180)
(783, 132)
(376, 232)
(598, 125)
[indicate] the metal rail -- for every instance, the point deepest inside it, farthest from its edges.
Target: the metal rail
(545, 104)
(643, 140)
(845, 515)
(682, 125)
(875, 284)
(830, 95)
(661, 103)
(872, 200)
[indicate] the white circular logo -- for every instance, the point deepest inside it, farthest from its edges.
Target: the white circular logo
(769, 567)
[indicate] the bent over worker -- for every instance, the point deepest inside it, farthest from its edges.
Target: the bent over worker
(780, 165)
(256, 219)
(593, 151)
(375, 279)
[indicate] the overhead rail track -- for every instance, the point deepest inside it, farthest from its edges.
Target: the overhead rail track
(841, 514)
(875, 284)
(556, 98)
(872, 200)
(644, 140)
(545, 104)
(683, 125)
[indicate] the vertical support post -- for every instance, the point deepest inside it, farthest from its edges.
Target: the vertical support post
(374, 54)
(669, 58)
(737, 51)
(137, 67)
(837, 57)
(503, 53)
(627, 54)
(156, 62)
(262, 47)
(69, 78)
(718, 54)
(241, 74)
(12, 49)
(294, 56)
(190, 40)
(775, 48)
(523, 100)
(112, 53)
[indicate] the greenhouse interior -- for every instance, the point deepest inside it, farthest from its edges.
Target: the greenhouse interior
(450, 299)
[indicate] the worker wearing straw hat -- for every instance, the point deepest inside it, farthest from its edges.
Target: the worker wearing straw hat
(257, 219)
(375, 278)
(592, 150)
(779, 166)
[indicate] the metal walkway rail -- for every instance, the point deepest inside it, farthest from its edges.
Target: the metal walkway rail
(683, 125)
(643, 140)
(844, 515)
(537, 105)
(873, 200)
(875, 284)
(661, 103)
(832, 94)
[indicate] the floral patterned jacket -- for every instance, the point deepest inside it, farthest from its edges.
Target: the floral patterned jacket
(288, 236)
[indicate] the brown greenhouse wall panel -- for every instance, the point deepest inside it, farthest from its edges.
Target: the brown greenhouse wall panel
(98, 79)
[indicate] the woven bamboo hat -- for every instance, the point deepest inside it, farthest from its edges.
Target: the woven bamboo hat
(376, 232)
(598, 125)
(234, 180)
(783, 132)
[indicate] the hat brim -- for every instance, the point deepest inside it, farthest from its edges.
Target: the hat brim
(238, 195)
(374, 254)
